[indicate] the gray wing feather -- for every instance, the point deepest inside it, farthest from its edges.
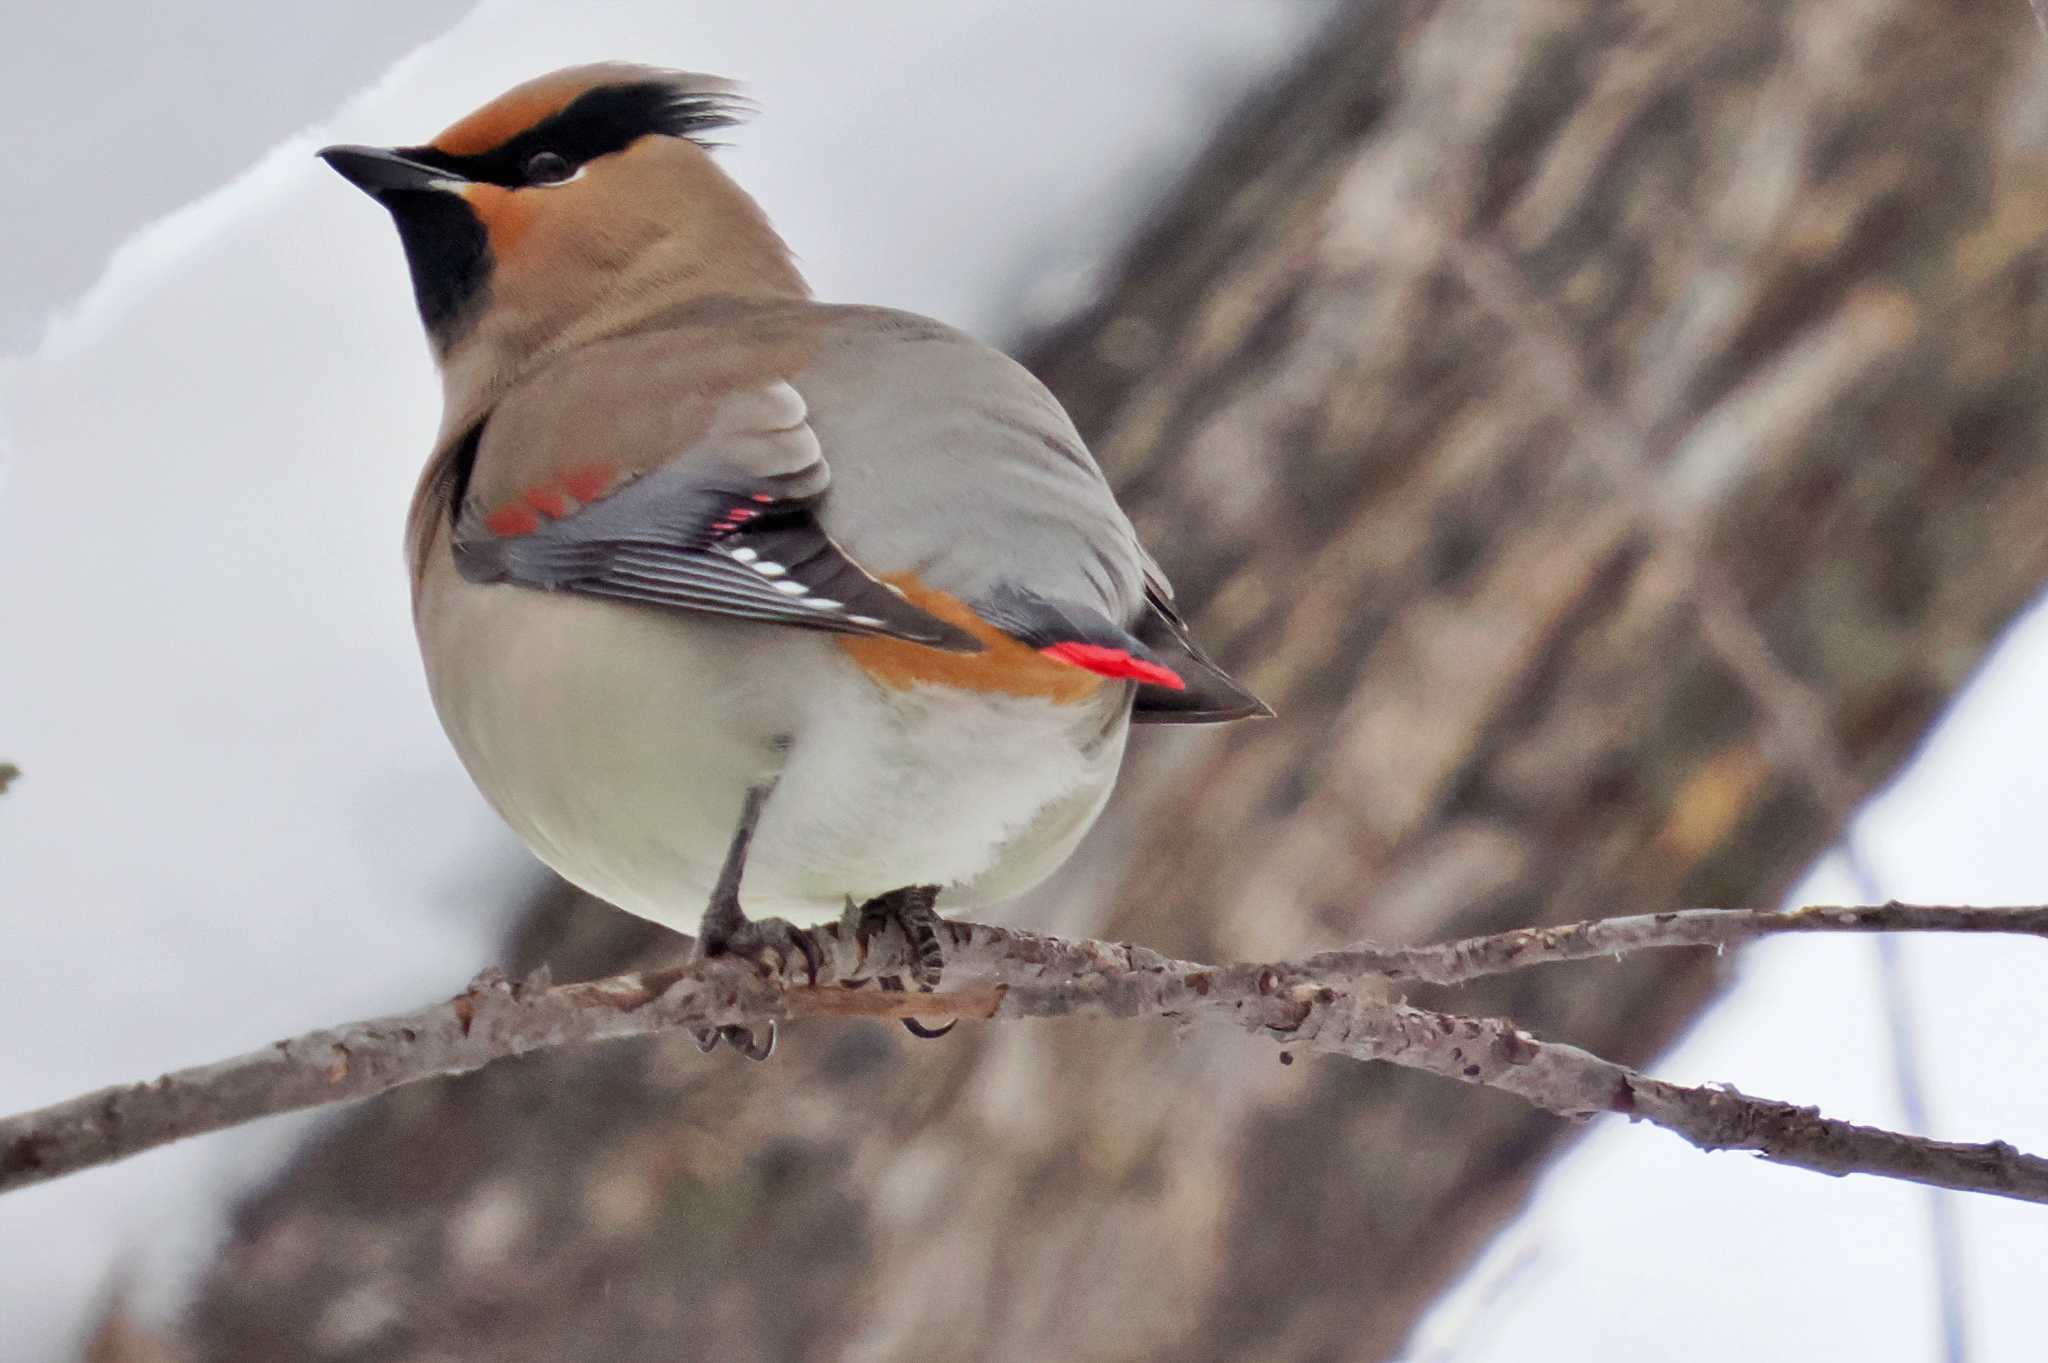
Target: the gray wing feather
(672, 539)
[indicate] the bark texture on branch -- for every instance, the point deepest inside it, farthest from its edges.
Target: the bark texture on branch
(1330, 1003)
(1797, 244)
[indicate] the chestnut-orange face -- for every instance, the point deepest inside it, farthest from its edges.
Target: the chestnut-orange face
(466, 202)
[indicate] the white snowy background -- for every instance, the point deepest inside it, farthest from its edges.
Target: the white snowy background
(238, 819)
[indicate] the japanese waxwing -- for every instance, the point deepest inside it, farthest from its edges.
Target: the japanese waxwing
(728, 595)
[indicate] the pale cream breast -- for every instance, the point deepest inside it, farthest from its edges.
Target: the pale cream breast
(620, 741)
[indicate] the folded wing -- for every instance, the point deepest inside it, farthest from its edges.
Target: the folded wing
(727, 526)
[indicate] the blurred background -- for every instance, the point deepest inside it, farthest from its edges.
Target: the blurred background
(1609, 433)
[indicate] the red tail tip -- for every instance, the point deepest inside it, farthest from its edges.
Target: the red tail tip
(1115, 662)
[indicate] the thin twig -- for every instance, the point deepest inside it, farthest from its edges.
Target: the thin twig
(999, 973)
(1902, 1031)
(1495, 954)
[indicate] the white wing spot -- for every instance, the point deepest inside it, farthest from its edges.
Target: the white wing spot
(823, 603)
(744, 555)
(864, 619)
(791, 588)
(768, 569)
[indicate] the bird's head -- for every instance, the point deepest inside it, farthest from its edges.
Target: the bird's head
(569, 204)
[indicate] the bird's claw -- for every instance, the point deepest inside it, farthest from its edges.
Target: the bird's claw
(772, 946)
(911, 910)
(741, 1039)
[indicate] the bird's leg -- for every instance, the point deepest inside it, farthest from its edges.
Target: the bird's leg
(909, 909)
(770, 943)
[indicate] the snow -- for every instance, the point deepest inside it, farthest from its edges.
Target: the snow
(108, 127)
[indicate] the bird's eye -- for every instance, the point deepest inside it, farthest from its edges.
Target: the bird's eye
(547, 168)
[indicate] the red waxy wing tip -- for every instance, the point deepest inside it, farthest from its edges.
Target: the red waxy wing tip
(513, 518)
(548, 501)
(1115, 662)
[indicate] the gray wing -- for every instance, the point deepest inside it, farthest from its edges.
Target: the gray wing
(979, 484)
(728, 527)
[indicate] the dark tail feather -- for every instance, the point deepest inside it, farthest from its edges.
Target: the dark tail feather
(1157, 655)
(1211, 697)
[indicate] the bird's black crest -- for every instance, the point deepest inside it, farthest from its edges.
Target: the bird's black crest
(606, 119)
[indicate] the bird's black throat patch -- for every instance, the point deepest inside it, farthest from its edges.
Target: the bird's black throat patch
(449, 255)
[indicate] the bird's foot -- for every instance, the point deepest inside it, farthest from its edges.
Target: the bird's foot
(911, 911)
(773, 946)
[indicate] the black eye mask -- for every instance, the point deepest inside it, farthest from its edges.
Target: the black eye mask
(607, 119)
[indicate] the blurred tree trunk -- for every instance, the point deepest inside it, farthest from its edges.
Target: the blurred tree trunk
(1798, 246)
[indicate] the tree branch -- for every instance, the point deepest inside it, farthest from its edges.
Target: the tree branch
(1328, 1003)
(1496, 954)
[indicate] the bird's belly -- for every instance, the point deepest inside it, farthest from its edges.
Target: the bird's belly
(619, 743)
(983, 795)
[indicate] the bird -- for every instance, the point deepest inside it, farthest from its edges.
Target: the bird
(725, 594)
